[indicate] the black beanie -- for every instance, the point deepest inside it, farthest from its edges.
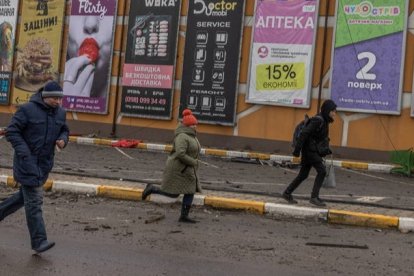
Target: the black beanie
(326, 108)
(52, 89)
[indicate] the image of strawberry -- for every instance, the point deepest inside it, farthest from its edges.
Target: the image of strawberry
(90, 48)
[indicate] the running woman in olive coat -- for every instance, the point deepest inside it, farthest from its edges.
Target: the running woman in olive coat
(180, 174)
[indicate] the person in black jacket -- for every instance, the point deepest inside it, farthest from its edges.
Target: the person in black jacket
(313, 142)
(36, 129)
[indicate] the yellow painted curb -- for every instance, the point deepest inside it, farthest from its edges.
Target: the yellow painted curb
(230, 203)
(73, 138)
(261, 156)
(355, 165)
(362, 219)
(11, 182)
(105, 142)
(48, 185)
(216, 152)
(142, 146)
(120, 192)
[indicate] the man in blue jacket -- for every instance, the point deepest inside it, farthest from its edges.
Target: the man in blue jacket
(36, 129)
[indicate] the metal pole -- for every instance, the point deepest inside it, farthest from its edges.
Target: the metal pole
(113, 132)
(323, 52)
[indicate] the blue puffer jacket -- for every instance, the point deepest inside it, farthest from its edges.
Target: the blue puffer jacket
(33, 132)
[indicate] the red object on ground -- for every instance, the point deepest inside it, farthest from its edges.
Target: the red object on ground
(90, 48)
(126, 143)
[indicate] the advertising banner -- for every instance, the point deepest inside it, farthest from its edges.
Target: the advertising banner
(368, 56)
(211, 60)
(281, 60)
(8, 17)
(148, 72)
(87, 77)
(39, 47)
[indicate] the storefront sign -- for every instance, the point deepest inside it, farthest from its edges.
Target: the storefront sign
(368, 57)
(8, 16)
(211, 60)
(282, 52)
(148, 72)
(38, 51)
(87, 76)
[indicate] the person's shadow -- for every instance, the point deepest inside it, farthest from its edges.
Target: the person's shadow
(37, 264)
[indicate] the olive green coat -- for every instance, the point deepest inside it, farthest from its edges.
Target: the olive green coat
(180, 174)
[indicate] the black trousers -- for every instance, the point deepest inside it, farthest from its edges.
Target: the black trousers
(304, 173)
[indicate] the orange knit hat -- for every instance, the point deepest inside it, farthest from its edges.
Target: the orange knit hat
(188, 118)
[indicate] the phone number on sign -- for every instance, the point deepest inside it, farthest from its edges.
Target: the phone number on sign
(145, 100)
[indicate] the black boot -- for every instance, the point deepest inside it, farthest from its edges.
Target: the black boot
(185, 210)
(289, 198)
(317, 201)
(147, 191)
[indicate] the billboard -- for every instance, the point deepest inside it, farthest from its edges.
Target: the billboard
(39, 47)
(211, 60)
(282, 52)
(368, 56)
(87, 76)
(148, 72)
(8, 16)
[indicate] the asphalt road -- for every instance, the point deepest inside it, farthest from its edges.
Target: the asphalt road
(355, 187)
(99, 236)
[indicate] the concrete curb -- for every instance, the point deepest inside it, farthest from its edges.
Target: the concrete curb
(331, 216)
(384, 168)
(297, 212)
(406, 225)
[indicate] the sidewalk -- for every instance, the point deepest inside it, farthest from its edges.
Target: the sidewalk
(374, 167)
(337, 213)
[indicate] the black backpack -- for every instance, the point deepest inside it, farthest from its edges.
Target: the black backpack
(301, 125)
